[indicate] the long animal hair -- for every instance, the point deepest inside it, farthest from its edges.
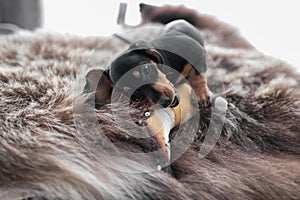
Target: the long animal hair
(45, 155)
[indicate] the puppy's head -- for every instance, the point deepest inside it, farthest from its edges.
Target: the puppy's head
(136, 74)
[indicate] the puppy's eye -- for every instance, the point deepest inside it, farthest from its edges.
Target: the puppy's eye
(146, 69)
(136, 96)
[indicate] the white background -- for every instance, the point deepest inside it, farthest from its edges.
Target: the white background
(271, 26)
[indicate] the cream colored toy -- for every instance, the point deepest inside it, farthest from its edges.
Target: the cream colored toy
(162, 120)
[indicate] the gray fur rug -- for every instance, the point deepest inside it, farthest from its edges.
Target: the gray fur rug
(43, 154)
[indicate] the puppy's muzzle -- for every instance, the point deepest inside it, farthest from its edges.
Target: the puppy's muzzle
(166, 101)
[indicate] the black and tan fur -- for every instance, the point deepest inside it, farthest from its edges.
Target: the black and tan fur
(157, 67)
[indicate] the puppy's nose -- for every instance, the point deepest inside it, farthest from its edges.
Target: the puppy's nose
(175, 101)
(165, 101)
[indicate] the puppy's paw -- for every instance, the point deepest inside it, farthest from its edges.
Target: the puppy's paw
(204, 98)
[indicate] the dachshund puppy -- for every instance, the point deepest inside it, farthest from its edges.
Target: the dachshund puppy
(157, 67)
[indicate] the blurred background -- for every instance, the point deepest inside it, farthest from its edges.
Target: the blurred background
(271, 26)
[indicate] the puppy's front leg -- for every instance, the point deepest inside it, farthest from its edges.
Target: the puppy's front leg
(199, 84)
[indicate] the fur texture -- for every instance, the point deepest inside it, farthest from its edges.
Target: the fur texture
(43, 155)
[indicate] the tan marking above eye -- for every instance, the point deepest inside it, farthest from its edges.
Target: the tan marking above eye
(126, 88)
(136, 74)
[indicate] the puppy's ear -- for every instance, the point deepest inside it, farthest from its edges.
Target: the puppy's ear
(98, 81)
(148, 49)
(155, 55)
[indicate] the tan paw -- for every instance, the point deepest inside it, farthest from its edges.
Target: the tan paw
(204, 98)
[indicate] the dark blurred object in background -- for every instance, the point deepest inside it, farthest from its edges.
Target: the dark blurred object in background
(16, 14)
